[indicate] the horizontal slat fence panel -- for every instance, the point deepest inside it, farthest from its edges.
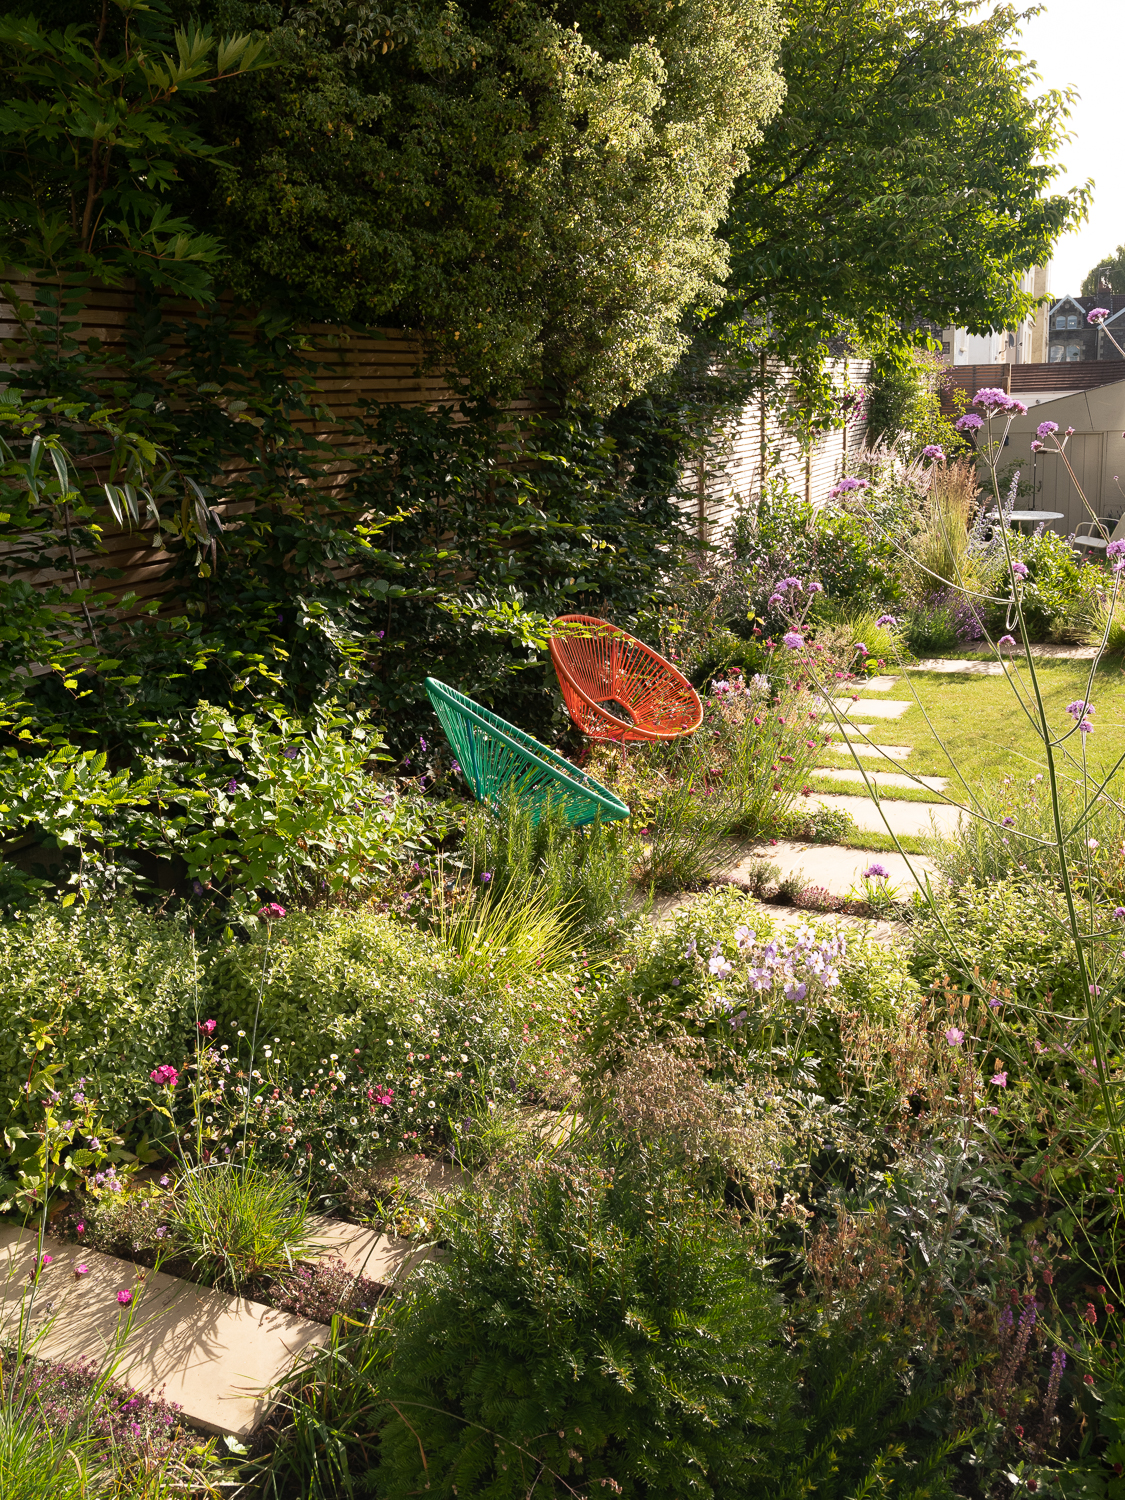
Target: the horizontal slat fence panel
(347, 368)
(732, 472)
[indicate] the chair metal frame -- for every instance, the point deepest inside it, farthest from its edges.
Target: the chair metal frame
(618, 689)
(495, 756)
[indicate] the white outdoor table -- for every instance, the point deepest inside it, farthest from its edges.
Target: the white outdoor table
(1017, 517)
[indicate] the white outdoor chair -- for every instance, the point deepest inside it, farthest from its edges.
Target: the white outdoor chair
(1098, 543)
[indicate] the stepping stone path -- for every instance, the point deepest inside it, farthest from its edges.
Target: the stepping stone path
(885, 778)
(913, 818)
(873, 708)
(838, 871)
(902, 817)
(884, 752)
(216, 1357)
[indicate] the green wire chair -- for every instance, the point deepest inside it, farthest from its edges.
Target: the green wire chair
(494, 754)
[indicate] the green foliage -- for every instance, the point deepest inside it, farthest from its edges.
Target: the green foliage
(239, 1224)
(292, 807)
(591, 151)
(782, 536)
(114, 987)
(95, 124)
(584, 870)
(1057, 584)
(1110, 271)
(903, 404)
(507, 937)
(853, 215)
(624, 1315)
(1007, 929)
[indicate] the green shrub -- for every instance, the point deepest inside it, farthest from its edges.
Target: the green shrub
(1056, 589)
(367, 1034)
(1010, 931)
(586, 870)
(590, 1330)
(116, 989)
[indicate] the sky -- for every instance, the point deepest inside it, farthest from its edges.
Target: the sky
(1079, 42)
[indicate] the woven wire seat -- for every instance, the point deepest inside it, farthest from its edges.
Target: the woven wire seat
(616, 688)
(495, 756)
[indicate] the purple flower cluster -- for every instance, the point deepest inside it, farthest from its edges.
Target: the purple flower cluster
(970, 422)
(1097, 315)
(991, 398)
(1080, 710)
(846, 487)
(801, 970)
(931, 450)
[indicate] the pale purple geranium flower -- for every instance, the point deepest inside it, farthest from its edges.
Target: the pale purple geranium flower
(793, 640)
(969, 422)
(954, 1037)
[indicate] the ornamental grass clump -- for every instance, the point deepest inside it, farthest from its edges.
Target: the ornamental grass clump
(240, 1224)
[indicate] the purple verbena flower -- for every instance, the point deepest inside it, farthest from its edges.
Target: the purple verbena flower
(875, 872)
(793, 640)
(1019, 569)
(931, 450)
(886, 620)
(1097, 315)
(1045, 429)
(970, 422)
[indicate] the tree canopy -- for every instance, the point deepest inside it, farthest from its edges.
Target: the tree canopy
(1107, 273)
(95, 119)
(537, 187)
(905, 178)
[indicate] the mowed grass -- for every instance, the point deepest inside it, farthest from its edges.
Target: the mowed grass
(976, 725)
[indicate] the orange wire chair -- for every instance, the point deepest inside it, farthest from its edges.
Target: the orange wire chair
(616, 688)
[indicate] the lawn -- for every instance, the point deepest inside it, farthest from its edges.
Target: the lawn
(978, 726)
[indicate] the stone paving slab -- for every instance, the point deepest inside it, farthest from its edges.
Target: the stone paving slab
(883, 778)
(853, 731)
(837, 870)
(878, 684)
(962, 668)
(874, 708)
(367, 1252)
(214, 1356)
(903, 817)
(887, 752)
